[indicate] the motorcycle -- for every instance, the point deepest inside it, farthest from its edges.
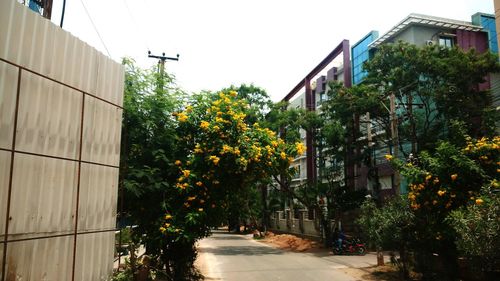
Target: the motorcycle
(353, 246)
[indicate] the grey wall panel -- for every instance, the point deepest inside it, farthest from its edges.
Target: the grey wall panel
(8, 90)
(94, 260)
(101, 132)
(35, 43)
(49, 118)
(42, 259)
(98, 195)
(4, 187)
(43, 197)
(64, 82)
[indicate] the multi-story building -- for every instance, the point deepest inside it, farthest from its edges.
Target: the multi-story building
(345, 64)
(309, 93)
(420, 30)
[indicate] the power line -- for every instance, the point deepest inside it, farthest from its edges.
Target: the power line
(136, 25)
(95, 28)
(63, 12)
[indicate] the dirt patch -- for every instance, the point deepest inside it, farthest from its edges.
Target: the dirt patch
(377, 273)
(374, 273)
(290, 242)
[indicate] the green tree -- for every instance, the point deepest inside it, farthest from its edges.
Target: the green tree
(328, 196)
(389, 227)
(247, 207)
(434, 86)
(187, 162)
(148, 147)
(478, 232)
(257, 99)
(439, 99)
(449, 179)
(221, 157)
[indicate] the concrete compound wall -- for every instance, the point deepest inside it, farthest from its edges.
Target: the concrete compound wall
(60, 127)
(300, 226)
(311, 228)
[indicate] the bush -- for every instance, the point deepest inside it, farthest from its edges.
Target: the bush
(389, 227)
(452, 199)
(478, 232)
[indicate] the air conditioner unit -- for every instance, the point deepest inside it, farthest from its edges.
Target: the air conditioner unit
(429, 43)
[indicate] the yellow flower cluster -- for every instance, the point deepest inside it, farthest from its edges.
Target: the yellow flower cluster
(300, 148)
(243, 162)
(167, 225)
(204, 125)
(214, 159)
(283, 155)
(197, 149)
(182, 117)
(228, 149)
(182, 185)
(482, 144)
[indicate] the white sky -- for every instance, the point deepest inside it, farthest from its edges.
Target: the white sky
(271, 43)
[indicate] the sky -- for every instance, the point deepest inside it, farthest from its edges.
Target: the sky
(270, 43)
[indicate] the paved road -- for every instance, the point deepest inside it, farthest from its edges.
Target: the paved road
(232, 257)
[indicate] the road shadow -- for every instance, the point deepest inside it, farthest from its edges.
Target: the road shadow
(227, 237)
(241, 251)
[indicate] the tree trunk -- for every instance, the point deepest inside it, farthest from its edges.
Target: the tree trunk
(327, 231)
(265, 212)
(380, 257)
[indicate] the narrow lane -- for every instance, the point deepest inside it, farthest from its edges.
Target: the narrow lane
(231, 257)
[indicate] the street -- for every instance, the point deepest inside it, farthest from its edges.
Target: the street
(232, 257)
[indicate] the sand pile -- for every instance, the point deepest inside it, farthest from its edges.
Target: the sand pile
(291, 242)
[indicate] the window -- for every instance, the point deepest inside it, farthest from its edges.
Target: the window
(310, 214)
(295, 172)
(446, 42)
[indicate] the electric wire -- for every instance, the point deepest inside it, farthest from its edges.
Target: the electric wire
(136, 26)
(95, 28)
(63, 12)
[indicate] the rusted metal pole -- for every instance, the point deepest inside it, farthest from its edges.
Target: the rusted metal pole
(395, 139)
(47, 9)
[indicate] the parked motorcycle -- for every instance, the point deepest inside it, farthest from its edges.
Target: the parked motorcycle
(352, 246)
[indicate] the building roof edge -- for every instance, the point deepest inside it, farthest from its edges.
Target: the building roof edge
(426, 20)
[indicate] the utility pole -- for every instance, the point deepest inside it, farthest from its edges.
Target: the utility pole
(161, 60)
(161, 65)
(395, 139)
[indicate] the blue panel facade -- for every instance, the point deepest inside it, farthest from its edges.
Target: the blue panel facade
(35, 6)
(360, 54)
(488, 23)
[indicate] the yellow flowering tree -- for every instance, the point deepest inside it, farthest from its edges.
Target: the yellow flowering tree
(449, 179)
(222, 155)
